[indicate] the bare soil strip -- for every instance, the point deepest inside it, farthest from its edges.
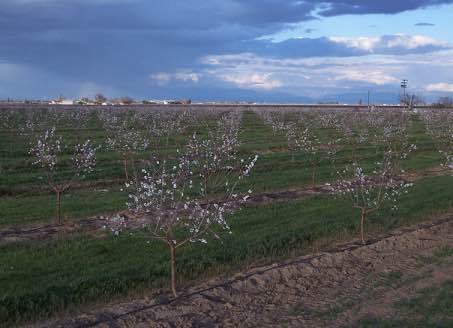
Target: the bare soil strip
(95, 224)
(330, 289)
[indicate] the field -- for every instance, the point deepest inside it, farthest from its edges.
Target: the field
(316, 173)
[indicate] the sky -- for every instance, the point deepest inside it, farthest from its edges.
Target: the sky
(254, 50)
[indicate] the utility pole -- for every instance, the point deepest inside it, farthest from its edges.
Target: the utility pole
(404, 84)
(368, 98)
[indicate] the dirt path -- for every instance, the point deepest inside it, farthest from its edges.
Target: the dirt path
(97, 223)
(330, 289)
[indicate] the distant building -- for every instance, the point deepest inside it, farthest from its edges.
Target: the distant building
(167, 102)
(62, 102)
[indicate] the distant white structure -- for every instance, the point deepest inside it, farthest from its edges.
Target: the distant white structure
(62, 102)
(157, 102)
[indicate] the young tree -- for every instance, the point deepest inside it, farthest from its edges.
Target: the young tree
(368, 192)
(410, 100)
(48, 152)
(99, 99)
(439, 125)
(126, 100)
(330, 122)
(444, 102)
(310, 145)
(179, 200)
(162, 125)
(356, 132)
(214, 158)
(124, 135)
(302, 134)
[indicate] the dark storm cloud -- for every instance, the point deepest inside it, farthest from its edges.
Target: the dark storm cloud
(122, 42)
(119, 43)
(139, 15)
(342, 7)
(16, 15)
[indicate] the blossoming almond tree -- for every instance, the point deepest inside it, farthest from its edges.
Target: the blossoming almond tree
(310, 145)
(127, 142)
(124, 135)
(382, 184)
(214, 159)
(368, 192)
(356, 130)
(48, 152)
(161, 126)
(330, 122)
(439, 125)
(303, 136)
(177, 204)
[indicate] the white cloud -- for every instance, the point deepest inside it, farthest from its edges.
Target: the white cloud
(252, 81)
(370, 76)
(270, 73)
(187, 76)
(363, 43)
(397, 41)
(440, 87)
(246, 70)
(321, 75)
(161, 78)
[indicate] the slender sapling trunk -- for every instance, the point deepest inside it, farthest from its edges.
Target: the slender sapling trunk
(313, 175)
(362, 221)
(173, 270)
(58, 205)
(126, 173)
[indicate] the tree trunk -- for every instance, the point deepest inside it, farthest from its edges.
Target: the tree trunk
(58, 206)
(362, 221)
(205, 185)
(173, 270)
(313, 175)
(126, 173)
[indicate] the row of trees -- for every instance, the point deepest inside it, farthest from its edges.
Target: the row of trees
(100, 99)
(439, 125)
(322, 136)
(411, 99)
(186, 196)
(182, 198)
(65, 160)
